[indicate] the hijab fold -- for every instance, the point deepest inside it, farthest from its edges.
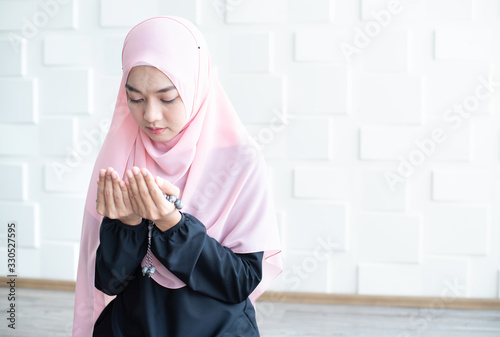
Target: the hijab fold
(214, 162)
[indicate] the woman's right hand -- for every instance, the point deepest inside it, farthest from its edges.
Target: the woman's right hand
(113, 200)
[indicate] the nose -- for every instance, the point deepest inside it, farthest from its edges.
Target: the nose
(152, 113)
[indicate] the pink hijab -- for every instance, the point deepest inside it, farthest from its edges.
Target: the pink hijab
(221, 174)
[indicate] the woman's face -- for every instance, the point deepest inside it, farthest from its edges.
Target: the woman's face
(154, 103)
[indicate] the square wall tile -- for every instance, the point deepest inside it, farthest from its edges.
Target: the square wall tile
(448, 84)
(67, 256)
(112, 55)
(29, 263)
(69, 174)
(309, 139)
(379, 195)
(256, 98)
(452, 10)
(16, 186)
(310, 11)
(25, 216)
(16, 15)
(63, 13)
(57, 97)
(304, 272)
(391, 99)
(456, 230)
(388, 52)
(461, 185)
(306, 96)
(18, 100)
(322, 183)
(390, 279)
(250, 53)
(388, 238)
(386, 143)
(463, 44)
(13, 52)
(57, 136)
(256, 12)
(126, 13)
(326, 228)
(317, 45)
(441, 275)
(53, 208)
(67, 50)
(27, 145)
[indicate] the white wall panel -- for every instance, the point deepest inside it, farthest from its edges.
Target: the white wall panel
(337, 94)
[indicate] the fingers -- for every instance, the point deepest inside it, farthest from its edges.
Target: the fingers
(126, 198)
(108, 193)
(135, 193)
(167, 187)
(154, 191)
(146, 196)
(112, 204)
(100, 203)
(114, 197)
(131, 191)
(117, 192)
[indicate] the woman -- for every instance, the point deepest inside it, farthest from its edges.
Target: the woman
(174, 136)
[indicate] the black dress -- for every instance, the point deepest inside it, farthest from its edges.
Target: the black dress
(214, 302)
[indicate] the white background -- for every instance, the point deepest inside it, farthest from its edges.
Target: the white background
(339, 94)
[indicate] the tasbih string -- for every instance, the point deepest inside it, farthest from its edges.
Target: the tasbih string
(148, 270)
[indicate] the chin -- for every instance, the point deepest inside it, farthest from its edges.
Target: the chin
(164, 137)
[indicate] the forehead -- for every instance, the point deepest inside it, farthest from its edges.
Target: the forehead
(147, 76)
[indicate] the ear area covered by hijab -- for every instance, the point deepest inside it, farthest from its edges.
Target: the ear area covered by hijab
(220, 172)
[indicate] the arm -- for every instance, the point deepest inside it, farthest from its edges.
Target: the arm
(204, 264)
(120, 252)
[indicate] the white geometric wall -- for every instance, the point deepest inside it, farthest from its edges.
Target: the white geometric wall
(379, 119)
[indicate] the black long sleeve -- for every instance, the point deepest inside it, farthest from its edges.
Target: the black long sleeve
(214, 303)
(204, 264)
(186, 250)
(121, 250)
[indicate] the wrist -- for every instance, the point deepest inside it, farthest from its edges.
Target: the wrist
(168, 222)
(131, 220)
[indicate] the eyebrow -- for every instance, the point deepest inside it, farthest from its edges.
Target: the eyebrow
(131, 88)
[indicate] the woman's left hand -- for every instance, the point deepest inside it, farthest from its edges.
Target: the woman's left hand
(146, 197)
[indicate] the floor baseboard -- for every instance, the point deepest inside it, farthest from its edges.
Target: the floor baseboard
(381, 300)
(313, 298)
(22, 282)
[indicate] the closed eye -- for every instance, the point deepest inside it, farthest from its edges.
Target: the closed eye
(135, 100)
(170, 101)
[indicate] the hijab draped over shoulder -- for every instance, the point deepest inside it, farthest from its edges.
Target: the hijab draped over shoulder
(221, 174)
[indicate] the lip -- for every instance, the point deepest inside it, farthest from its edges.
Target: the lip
(156, 131)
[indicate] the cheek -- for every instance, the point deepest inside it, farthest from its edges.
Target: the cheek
(177, 115)
(181, 114)
(135, 112)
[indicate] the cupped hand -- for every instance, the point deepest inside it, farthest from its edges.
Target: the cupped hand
(113, 198)
(147, 200)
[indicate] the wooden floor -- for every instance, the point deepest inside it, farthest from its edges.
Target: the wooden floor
(49, 313)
